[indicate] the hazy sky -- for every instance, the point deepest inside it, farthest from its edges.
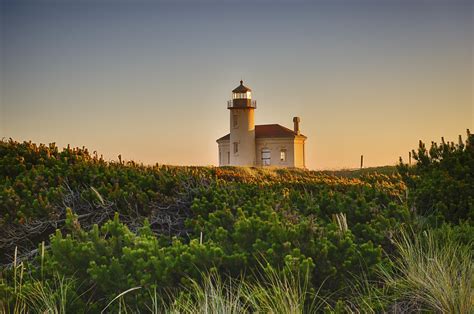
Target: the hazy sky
(150, 80)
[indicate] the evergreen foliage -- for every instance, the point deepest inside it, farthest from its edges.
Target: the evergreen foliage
(314, 234)
(441, 183)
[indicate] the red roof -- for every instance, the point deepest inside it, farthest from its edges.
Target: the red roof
(269, 131)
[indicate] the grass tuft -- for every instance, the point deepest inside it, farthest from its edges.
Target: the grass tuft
(212, 296)
(433, 271)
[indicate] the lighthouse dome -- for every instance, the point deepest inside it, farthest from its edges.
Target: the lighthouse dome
(241, 88)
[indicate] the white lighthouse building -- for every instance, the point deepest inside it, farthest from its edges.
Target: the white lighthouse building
(247, 144)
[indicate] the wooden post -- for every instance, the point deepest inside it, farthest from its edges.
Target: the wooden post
(361, 161)
(409, 158)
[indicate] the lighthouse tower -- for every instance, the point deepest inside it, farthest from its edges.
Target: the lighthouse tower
(242, 126)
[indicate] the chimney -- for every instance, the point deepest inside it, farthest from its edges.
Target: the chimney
(296, 122)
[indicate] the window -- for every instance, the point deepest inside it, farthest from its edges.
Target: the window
(266, 157)
(228, 158)
(236, 147)
(235, 121)
(283, 155)
(246, 95)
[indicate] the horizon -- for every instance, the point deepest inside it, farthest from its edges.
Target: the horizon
(150, 81)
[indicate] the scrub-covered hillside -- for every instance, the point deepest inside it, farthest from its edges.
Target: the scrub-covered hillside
(80, 234)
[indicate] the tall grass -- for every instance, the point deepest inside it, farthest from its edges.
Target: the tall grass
(213, 296)
(50, 297)
(37, 296)
(274, 291)
(121, 303)
(432, 272)
(11, 298)
(25, 294)
(283, 292)
(366, 296)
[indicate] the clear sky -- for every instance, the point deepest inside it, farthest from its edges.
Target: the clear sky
(150, 80)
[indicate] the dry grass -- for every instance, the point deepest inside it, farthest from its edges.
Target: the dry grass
(432, 271)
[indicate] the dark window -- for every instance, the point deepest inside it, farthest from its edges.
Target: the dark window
(266, 157)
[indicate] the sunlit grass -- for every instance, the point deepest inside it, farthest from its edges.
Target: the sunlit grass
(432, 271)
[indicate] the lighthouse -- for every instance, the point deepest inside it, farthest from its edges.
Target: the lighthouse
(264, 145)
(242, 126)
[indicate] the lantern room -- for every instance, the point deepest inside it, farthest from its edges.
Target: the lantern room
(247, 95)
(241, 98)
(242, 92)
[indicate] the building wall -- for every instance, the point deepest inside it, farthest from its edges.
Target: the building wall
(275, 145)
(224, 153)
(299, 153)
(243, 133)
(294, 152)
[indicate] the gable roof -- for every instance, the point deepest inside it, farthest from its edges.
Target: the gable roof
(269, 131)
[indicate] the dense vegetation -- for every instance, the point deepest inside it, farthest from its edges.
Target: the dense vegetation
(442, 183)
(84, 231)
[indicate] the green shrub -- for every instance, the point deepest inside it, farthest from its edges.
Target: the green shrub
(441, 183)
(318, 234)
